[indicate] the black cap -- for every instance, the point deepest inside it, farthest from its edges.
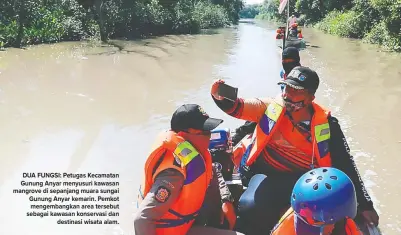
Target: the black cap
(302, 77)
(193, 116)
(291, 53)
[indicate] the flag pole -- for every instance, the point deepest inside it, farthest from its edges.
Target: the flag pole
(281, 9)
(288, 17)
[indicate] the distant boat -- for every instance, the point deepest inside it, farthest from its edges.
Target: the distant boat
(285, 35)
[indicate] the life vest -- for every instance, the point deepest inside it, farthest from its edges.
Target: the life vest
(240, 148)
(197, 171)
(272, 119)
(279, 33)
(300, 35)
(286, 226)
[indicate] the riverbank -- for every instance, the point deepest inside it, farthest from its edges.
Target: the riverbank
(36, 22)
(353, 24)
(375, 21)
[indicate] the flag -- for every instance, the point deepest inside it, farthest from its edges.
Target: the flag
(283, 3)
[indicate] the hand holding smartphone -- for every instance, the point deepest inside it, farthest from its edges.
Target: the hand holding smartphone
(228, 92)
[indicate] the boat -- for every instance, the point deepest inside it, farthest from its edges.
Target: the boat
(228, 159)
(289, 35)
(295, 42)
(299, 43)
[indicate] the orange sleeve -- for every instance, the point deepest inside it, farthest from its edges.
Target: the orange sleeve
(248, 109)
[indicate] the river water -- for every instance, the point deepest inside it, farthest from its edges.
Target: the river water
(78, 108)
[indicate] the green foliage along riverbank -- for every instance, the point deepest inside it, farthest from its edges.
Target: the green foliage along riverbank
(249, 11)
(373, 21)
(25, 22)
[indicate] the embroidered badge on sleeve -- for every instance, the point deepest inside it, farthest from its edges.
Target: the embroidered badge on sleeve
(162, 194)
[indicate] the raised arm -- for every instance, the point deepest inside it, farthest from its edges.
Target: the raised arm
(245, 109)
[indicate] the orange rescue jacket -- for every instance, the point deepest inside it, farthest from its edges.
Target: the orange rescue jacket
(286, 226)
(197, 171)
(240, 148)
(270, 114)
(273, 116)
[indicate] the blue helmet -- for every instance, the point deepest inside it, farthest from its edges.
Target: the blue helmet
(324, 196)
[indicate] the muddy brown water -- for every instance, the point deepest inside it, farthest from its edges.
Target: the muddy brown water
(78, 107)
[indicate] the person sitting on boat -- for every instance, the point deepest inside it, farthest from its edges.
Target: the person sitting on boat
(300, 36)
(323, 202)
(293, 134)
(290, 59)
(178, 173)
(293, 30)
(279, 33)
(221, 149)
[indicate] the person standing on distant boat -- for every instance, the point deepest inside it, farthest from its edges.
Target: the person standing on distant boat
(293, 26)
(292, 20)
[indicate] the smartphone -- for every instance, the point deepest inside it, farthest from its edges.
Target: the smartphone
(228, 92)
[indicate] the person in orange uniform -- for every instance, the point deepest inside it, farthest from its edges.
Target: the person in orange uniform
(289, 59)
(292, 135)
(300, 36)
(323, 202)
(177, 176)
(280, 33)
